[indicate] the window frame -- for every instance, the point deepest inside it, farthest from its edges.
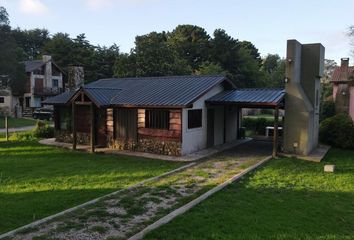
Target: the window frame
(157, 118)
(57, 83)
(197, 113)
(2, 99)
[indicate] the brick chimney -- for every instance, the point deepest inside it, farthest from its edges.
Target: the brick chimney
(75, 77)
(344, 69)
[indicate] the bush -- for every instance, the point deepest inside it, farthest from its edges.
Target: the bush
(328, 109)
(338, 131)
(43, 130)
(258, 125)
(22, 136)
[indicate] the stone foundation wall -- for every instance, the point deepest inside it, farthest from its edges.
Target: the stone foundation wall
(67, 137)
(150, 145)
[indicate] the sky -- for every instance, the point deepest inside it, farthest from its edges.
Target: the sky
(267, 24)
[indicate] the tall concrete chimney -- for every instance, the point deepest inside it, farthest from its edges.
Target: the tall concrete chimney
(344, 67)
(305, 63)
(75, 77)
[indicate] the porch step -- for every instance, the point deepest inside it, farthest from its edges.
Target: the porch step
(27, 112)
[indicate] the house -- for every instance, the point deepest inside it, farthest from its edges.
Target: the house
(179, 115)
(174, 115)
(44, 79)
(8, 102)
(343, 88)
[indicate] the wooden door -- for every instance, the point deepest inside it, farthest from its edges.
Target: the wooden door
(126, 124)
(210, 127)
(28, 102)
(38, 85)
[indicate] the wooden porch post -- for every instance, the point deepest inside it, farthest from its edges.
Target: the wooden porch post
(73, 123)
(275, 133)
(92, 138)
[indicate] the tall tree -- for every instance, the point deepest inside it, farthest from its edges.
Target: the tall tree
(191, 43)
(31, 41)
(61, 48)
(253, 51)
(10, 67)
(155, 58)
(350, 33)
(125, 65)
(273, 71)
(103, 60)
(235, 58)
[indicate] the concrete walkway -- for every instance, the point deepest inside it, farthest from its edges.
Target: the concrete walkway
(187, 158)
(18, 129)
(122, 215)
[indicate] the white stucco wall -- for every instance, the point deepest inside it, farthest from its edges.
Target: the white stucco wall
(196, 139)
(10, 102)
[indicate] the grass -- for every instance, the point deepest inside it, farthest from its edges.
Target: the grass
(37, 180)
(17, 122)
(285, 199)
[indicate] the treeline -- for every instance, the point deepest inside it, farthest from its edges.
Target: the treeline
(186, 50)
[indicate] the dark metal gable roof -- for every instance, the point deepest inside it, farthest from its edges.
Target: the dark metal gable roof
(62, 98)
(33, 65)
(249, 96)
(172, 91)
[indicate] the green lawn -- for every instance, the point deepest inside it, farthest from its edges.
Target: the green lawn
(37, 180)
(285, 199)
(17, 122)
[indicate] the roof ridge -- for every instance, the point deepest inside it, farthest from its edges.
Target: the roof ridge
(107, 88)
(162, 77)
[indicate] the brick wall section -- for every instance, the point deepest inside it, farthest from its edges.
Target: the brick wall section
(174, 132)
(109, 124)
(67, 137)
(160, 141)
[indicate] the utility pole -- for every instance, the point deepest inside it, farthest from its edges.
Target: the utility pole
(7, 128)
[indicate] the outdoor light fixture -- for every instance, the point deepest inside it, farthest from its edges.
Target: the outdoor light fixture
(343, 93)
(289, 60)
(286, 80)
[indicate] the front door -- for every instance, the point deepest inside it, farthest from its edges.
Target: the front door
(210, 127)
(27, 102)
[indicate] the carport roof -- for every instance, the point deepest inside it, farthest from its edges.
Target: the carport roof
(253, 97)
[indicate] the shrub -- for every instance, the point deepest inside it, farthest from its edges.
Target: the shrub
(328, 109)
(43, 130)
(338, 131)
(22, 136)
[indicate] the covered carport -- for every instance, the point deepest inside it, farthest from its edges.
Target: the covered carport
(253, 98)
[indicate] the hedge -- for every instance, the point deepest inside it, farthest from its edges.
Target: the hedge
(338, 131)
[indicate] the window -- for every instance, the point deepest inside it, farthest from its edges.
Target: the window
(55, 83)
(2, 100)
(157, 118)
(195, 118)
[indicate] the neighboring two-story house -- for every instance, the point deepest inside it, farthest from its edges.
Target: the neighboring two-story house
(44, 79)
(343, 88)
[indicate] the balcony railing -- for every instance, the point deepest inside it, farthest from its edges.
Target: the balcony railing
(45, 91)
